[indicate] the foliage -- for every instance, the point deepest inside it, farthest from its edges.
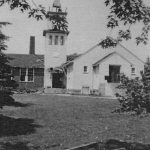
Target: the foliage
(137, 94)
(59, 22)
(38, 12)
(128, 13)
(108, 42)
(122, 12)
(6, 84)
(23, 5)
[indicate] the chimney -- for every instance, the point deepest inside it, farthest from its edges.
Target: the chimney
(32, 45)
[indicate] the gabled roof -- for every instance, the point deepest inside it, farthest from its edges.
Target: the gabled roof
(131, 53)
(33, 61)
(82, 54)
(73, 56)
(26, 60)
(118, 43)
(97, 45)
(108, 56)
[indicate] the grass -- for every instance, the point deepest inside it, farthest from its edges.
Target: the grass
(50, 121)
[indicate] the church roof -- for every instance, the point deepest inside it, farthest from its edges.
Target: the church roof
(119, 44)
(33, 61)
(109, 55)
(26, 60)
(73, 56)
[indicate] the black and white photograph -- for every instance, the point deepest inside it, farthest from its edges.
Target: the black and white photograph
(74, 75)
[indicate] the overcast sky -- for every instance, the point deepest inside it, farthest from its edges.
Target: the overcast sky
(87, 26)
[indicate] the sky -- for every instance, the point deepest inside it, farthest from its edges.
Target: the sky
(87, 25)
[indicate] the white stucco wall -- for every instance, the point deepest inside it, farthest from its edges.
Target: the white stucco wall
(139, 64)
(70, 77)
(55, 55)
(125, 67)
(81, 79)
(96, 77)
(86, 79)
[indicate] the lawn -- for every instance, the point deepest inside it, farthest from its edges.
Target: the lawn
(49, 121)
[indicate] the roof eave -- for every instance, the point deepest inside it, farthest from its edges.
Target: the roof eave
(53, 31)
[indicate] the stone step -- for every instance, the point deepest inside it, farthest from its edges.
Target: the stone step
(55, 91)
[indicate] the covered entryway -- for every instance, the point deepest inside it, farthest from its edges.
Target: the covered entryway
(58, 80)
(114, 73)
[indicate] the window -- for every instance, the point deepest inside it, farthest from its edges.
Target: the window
(11, 72)
(85, 69)
(30, 74)
(50, 40)
(23, 74)
(133, 71)
(62, 40)
(56, 40)
(26, 75)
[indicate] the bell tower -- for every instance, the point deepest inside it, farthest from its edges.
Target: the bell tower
(55, 47)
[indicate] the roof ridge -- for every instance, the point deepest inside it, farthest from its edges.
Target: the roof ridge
(126, 48)
(130, 52)
(105, 56)
(87, 51)
(109, 54)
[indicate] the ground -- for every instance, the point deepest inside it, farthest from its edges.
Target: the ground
(49, 122)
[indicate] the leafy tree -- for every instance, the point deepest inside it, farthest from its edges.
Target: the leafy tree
(127, 13)
(136, 97)
(6, 84)
(122, 12)
(59, 22)
(38, 12)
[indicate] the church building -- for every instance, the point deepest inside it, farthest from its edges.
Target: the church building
(96, 71)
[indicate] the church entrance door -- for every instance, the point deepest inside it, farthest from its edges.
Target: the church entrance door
(114, 73)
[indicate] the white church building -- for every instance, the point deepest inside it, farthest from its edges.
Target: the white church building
(95, 71)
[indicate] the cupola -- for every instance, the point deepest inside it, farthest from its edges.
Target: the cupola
(57, 4)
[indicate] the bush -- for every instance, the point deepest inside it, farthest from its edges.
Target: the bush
(5, 98)
(137, 95)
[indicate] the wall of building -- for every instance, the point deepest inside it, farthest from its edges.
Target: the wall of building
(70, 77)
(109, 89)
(36, 84)
(125, 67)
(102, 85)
(96, 76)
(131, 57)
(81, 79)
(54, 56)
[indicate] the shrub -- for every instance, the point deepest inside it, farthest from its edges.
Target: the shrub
(136, 97)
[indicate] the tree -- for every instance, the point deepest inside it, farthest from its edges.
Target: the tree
(128, 13)
(59, 22)
(136, 97)
(4, 67)
(6, 82)
(38, 12)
